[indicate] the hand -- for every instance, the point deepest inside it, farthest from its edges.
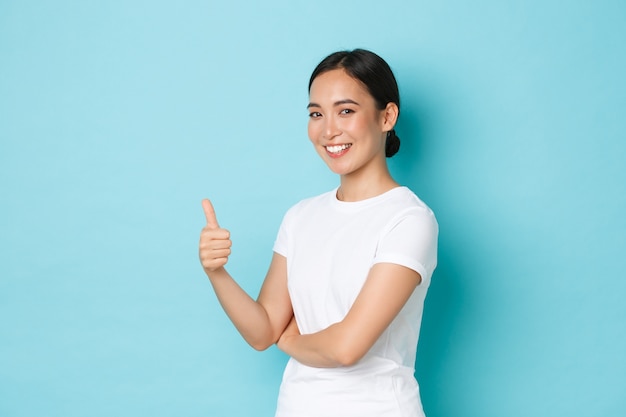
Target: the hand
(214, 241)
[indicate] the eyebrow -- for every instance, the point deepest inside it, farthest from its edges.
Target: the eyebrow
(335, 104)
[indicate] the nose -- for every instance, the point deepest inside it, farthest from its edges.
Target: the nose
(331, 128)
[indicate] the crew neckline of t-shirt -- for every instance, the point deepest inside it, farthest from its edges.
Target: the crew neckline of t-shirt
(357, 205)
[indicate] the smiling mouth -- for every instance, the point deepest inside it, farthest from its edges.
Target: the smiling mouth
(338, 149)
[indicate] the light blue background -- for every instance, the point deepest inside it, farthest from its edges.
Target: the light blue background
(118, 117)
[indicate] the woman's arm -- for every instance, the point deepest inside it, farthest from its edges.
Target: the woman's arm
(260, 322)
(386, 290)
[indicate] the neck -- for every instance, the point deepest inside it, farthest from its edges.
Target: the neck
(356, 188)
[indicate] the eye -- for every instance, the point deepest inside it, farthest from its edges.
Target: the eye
(346, 111)
(315, 115)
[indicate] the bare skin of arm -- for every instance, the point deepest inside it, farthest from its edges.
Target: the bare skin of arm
(383, 295)
(261, 321)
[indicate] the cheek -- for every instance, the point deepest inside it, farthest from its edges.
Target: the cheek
(352, 125)
(313, 130)
(356, 125)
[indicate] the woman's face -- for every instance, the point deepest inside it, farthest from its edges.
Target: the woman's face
(346, 128)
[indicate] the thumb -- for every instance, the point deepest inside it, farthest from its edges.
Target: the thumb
(209, 213)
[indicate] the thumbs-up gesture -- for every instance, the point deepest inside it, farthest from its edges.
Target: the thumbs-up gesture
(214, 241)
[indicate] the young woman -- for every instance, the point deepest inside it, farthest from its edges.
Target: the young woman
(345, 289)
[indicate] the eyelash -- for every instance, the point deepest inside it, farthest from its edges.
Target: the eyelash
(344, 112)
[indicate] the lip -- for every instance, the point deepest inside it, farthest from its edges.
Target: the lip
(340, 153)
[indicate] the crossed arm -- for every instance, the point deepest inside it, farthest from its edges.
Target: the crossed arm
(269, 319)
(386, 290)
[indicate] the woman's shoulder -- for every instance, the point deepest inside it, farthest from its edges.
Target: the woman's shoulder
(405, 199)
(406, 207)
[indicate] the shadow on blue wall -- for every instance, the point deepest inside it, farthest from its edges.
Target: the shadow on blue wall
(419, 129)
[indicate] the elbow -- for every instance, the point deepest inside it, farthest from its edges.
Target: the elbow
(260, 345)
(346, 361)
(260, 340)
(347, 353)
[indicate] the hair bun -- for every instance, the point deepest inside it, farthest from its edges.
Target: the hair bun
(392, 144)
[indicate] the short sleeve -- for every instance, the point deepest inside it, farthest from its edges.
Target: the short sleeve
(281, 244)
(410, 240)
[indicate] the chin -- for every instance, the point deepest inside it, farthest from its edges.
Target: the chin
(338, 169)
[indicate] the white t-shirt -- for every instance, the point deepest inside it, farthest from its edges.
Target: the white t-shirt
(330, 246)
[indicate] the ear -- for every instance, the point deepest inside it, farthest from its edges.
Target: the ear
(390, 116)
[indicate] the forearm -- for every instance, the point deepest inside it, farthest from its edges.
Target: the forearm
(260, 322)
(249, 317)
(329, 348)
(344, 343)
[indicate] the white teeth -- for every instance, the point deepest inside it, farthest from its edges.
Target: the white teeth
(337, 148)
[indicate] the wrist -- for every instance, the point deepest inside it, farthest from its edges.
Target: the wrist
(217, 273)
